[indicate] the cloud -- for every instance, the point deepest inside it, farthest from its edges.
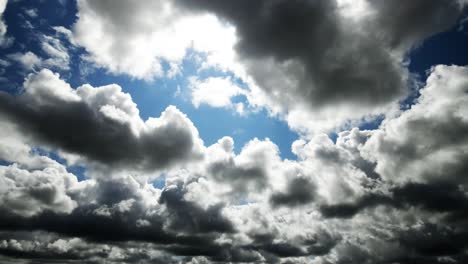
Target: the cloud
(300, 191)
(31, 192)
(28, 60)
(215, 92)
(57, 53)
(57, 56)
(101, 124)
(335, 62)
(5, 41)
(309, 65)
(427, 142)
(159, 33)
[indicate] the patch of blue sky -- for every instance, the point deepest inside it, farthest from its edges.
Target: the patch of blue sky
(159, 182)
(5, 163)
(449, 47)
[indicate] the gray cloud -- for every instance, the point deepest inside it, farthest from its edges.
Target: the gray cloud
(326, 61)
(300, 191)
(94, 126)
(306, 51)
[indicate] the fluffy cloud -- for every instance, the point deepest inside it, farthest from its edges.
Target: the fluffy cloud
(336, 62)
(428, 142)
(158, 31)
(216, 92)
(101, 124)
(308, 66)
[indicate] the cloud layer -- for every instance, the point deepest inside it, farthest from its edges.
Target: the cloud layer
(151, 191)
(395, 194)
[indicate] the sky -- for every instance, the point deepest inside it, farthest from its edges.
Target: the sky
(268, 131)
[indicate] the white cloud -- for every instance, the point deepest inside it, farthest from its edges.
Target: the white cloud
(215, 92)
(58, 57)
(31, 192)
(32, 12)
(428, 141)
(134, 38)
(4, 40)
(28, 60)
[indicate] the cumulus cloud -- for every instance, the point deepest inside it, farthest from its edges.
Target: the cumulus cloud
(427, 142)
(323, 63)
(335, 62)
(101, 124)
(158, 31)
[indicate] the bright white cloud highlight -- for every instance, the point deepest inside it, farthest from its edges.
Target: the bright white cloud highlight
(215, 92)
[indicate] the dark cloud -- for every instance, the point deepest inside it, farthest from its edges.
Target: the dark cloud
(324, 57)
(75, 126)
(432, 240)
(299, 191)
(319, 244)
(240, 177)
(348, 210)
(435, 197)
(328, 61)
(411, 22)
(190, 217)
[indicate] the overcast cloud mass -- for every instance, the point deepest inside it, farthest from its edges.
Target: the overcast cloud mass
(108, 108)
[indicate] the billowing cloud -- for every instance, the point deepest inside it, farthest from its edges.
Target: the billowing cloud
(334, 62)
(101, 124)
(324, 65)
(159, 33)
(428, 142)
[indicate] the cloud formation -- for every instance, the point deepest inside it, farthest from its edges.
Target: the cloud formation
(153, 192)
(321, 205)
(323, 59)
(101, 124)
